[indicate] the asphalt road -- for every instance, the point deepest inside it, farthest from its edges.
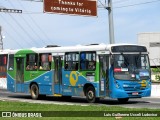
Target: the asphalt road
(149, 102)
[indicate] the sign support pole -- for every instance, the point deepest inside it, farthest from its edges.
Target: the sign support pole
(1, 39)
(111, 26)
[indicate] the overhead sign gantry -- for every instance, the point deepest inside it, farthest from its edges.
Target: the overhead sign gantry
(10, 10)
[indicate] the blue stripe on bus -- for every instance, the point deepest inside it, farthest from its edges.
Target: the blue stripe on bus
(71, 86)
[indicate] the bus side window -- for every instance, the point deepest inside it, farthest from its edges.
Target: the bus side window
(76, 67)
(31, 62)
(3, 65)
(71, 61)
(88, 60)
(11, 62)
(82, 61)
(66, 65)
(45, 61)
(3, 60)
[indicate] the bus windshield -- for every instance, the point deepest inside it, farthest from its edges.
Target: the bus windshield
(131, 66)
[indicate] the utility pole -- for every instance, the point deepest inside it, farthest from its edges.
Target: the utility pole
(1, 39)
(111, 26)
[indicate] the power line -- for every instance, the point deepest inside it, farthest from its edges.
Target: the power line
(120, 1)
(15, 30)
(101, 3)
(12, 38)
(24, 29)
(40, 29)
(35, 24)
(138, 4)
(32, 30)
(31, 12)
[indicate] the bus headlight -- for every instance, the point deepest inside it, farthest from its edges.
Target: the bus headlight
(117, 85)
(149, 84)
(125, 85)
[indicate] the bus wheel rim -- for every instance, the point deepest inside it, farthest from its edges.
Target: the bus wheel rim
(34, 91)
(90, 94)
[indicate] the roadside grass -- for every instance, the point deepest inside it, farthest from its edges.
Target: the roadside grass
(85, 118)
(23, 106)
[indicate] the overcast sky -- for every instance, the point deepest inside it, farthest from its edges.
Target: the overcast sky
(33, 28)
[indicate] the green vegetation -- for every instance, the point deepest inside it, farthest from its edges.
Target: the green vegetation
(22, 106)
(156, 73)
(155, 70)
(157, 77)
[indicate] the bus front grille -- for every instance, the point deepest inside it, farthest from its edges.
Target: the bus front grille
(131, 89)
(134, 88)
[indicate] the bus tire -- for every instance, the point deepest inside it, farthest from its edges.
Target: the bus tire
(34, 91)
(90, 94)
(123, 100)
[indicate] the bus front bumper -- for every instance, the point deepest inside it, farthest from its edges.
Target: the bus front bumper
(130, 94)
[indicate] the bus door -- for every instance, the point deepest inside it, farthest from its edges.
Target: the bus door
(19, 74)
(57, 87)
(104, 75)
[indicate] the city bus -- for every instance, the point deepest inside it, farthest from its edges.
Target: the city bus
(3, 69)
(97, 71)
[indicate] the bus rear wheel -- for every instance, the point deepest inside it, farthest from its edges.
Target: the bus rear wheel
(123, 100)
(34, 91)
(90, 94)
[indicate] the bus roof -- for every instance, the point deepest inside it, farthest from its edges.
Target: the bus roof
(99, 47)
(8, 51)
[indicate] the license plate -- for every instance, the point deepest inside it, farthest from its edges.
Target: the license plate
(135, 93)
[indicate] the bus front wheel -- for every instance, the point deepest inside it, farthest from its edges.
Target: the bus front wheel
(123, 100)
(34, 91)
(90, 94)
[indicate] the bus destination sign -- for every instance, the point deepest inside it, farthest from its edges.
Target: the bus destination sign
(74, 7)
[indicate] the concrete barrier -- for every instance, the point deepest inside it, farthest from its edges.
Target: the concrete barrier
(3, 83)
(155, 90)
